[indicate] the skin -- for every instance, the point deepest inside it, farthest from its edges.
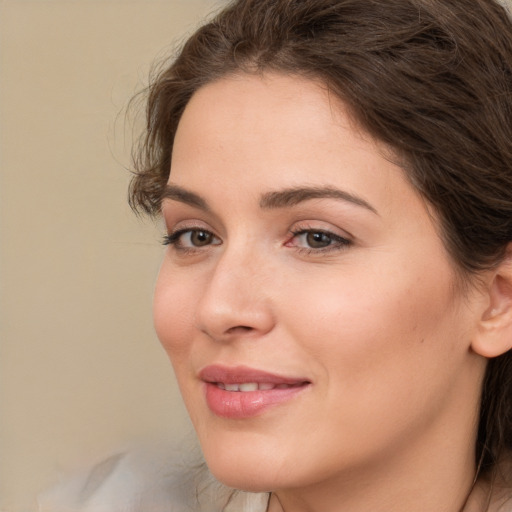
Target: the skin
(374, 320)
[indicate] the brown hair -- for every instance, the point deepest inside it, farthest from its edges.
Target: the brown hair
(432, 79)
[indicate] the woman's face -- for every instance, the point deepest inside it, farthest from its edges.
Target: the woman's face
(305, 299)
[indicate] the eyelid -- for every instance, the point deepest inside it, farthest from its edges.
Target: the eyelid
(341, 241)
(173, 225)
(324, 227)
(172, 238)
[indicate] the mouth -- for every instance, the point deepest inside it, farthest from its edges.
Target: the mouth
(247, 387)
(242, 392)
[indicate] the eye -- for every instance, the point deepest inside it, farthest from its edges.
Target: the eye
(191, 238)
(317, 240)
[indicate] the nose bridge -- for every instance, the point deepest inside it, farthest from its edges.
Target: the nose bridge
(236, 297)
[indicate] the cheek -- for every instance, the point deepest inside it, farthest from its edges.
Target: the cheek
(173, 313)
(373, 331)
(381, 350)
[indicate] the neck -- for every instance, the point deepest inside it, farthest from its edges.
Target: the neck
(423, 477)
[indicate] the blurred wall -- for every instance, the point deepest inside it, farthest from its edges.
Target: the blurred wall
(81, 372)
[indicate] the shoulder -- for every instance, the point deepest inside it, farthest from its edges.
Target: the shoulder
(492, 491)
(148, 481)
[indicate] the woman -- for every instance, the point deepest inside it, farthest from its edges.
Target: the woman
(335, 177)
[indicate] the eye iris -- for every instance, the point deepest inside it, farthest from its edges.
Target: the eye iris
(199, 238)
(318, 239)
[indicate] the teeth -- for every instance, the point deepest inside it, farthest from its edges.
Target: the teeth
(251, 386)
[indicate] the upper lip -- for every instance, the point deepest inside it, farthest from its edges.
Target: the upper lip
(244, 374)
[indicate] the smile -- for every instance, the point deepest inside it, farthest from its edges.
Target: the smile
(253, 386)
(241, 392)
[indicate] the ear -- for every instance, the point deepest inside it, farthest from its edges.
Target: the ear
(493, 336)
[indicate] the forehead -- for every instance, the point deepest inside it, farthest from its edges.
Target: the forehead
(246, 136)
(285, 126)
(290, 94)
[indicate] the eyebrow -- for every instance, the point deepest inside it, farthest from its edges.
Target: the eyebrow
(272, 200)
(293, 196)
(182, 195)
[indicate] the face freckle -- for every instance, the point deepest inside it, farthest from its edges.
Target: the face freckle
(366, 331)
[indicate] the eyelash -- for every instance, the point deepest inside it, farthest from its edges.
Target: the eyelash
(174, 238)
(337, 242)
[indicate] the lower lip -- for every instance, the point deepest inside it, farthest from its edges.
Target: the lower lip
(246, 404)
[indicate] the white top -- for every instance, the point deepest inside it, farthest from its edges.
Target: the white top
(145, 481)
(177, 480)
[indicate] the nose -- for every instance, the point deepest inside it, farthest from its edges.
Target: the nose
(237, 298)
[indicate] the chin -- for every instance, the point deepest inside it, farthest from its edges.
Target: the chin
(247, 467)
(243, 479)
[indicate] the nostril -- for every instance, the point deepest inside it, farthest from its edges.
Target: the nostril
(239, 328)
(223, 314)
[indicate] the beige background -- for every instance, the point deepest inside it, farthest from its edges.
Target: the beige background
(81, 372)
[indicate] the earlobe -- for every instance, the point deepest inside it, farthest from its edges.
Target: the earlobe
(493, 336)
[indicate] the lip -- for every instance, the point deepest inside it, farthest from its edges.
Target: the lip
(247, 404)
